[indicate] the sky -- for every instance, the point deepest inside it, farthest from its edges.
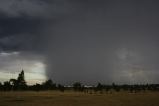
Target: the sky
(80, 40)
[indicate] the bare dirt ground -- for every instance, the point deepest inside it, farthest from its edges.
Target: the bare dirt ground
(55, 98)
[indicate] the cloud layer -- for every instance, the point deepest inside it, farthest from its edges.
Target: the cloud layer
(85, 40)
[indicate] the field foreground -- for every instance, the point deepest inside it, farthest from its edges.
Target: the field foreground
(55, 98)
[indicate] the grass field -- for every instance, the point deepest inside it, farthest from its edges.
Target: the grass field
(55, 98)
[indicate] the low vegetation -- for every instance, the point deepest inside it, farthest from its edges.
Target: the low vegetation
(19, 84)
(71, 98)
(16, 92)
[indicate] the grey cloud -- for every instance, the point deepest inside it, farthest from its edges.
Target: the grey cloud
(13, 62)
(16, 8)
(36, 8)
(90, 40)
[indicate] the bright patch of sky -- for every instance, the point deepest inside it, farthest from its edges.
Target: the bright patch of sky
(12, 63)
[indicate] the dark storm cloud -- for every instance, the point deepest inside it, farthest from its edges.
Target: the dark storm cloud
(15, 31)
(86, 40)
(14, 8)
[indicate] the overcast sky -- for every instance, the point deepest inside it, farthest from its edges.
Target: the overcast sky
(80, 40)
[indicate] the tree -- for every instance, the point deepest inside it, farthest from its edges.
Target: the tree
(1, 86)
(19, 83)
(14, 84)
(99, 86)
(107, 88)
(115, 87)
(77, 86)
(36, 87)
(48, 85)
(21, 79)
(6, 86)
(61, 87)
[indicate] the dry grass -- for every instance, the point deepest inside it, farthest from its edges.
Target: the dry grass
(54, 98)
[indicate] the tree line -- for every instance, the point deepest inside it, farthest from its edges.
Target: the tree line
(20, 84)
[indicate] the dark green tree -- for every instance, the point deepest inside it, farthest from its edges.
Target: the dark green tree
(49, 85)
(21, 79)
(36, 87)
(19, 83)
(61, 88)
(14, 84)
(77, 86)
(7, 86)
(1, 86)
